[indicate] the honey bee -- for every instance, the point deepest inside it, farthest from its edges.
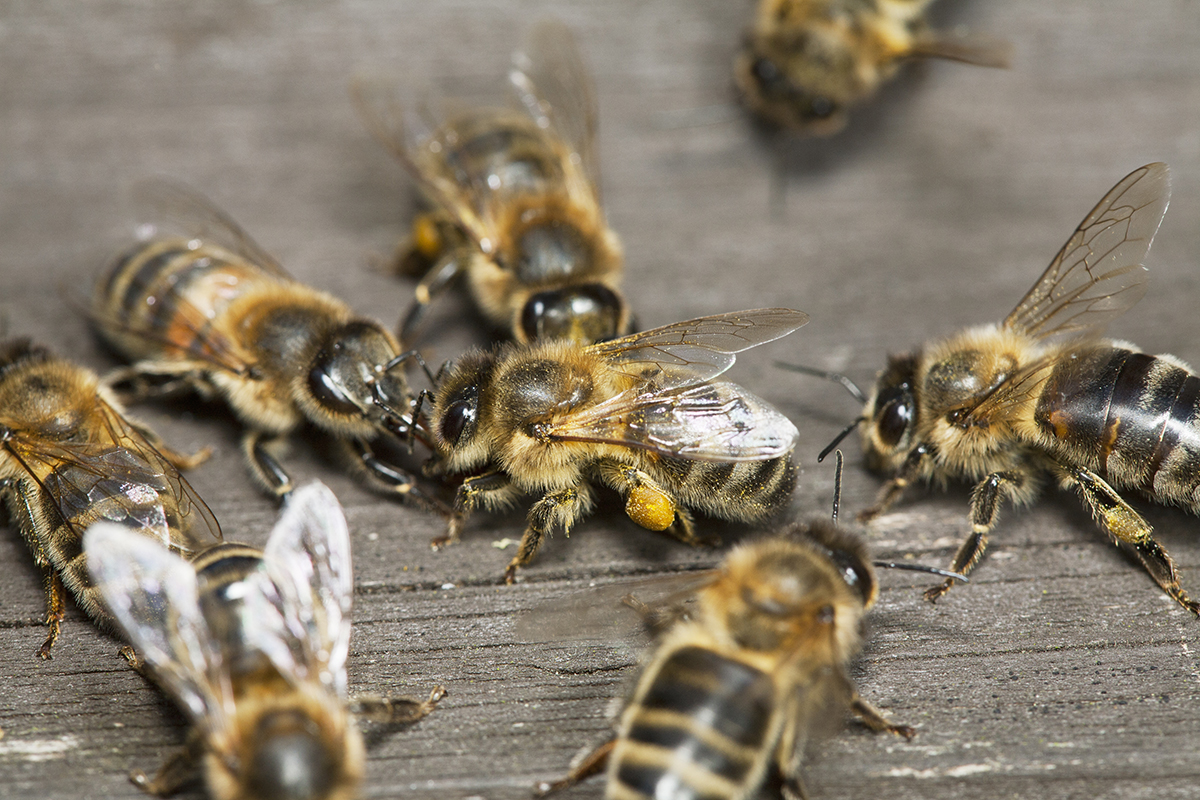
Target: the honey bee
(70, 458)
(252, 645)
(212, 312)
(804, 62)
(1041, 395)
(640, 414)
(740, 682)
(515, 202)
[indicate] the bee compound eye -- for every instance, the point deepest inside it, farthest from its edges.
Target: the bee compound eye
(895, 415)
(459, 415)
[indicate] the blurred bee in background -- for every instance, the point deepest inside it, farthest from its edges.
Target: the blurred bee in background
(515, 201)
(211, 311)
(748, 667)
(252, 645)
(804, 62)
(641, 414)
(70, 458)
(1040, 394)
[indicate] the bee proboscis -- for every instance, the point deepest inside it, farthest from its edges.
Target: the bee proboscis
(252, 644)
(69, 458)
(515, 198)
(642, 414)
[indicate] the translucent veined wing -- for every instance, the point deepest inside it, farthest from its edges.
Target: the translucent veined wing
(608, 610)
(698, 349)
(173, 208)
(1098, 274)
(419, 138)
(117, 476)
(555, 87)
(717, 421)
(153, 596)
(307, 561)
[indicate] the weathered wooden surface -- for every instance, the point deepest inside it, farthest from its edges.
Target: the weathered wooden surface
(1060, 672)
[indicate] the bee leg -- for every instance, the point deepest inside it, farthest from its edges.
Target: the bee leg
(789, 754)
(471, 493)
(563, 508)
(263, 466)
(387, 477)
(55, 604)
(431, 286)
(181, 768)
(873, 718)
(149, 381)
(396, 710)
(1126, 525)
(647, 503)
(177, 459)
(985, 509)
(591, 764)
(909, 471)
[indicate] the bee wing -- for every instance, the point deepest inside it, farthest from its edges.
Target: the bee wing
(175, 207)
(1098, 274)
(302, 600)
(122, 479)
(606, 611)
(417, 139)
(696, 350)
(717, 421)
(152, 594)
(555, 87)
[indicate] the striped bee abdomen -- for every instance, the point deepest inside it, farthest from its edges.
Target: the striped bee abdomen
(170, 291)
(742, 490)
(1132, 416)
(696, 729)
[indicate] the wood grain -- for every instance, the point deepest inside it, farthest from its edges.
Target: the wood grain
(1060, 672)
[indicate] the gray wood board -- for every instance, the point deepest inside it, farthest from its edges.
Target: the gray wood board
(1060, 672)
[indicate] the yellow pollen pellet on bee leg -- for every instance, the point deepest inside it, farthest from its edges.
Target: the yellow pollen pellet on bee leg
(650, 508)
(426, 238)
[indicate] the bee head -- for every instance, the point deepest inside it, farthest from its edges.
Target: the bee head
(291, 755)
(455, 418)
(584, 313)
(890, 415)
(798, 593)
(350, 386)
(772, 87)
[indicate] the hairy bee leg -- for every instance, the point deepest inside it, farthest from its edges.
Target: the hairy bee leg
(55, 604)
(873, 718)
(396, 710)
(429, 289)
(647, 503)
(177, 459)
(1126, 525)
(563, 507)
(181, 768)
(591, 764)
(263, 466)
(469, 495)
(909, 471)
(985, 509)
(789, 754)
(433, 233)
(387, 477)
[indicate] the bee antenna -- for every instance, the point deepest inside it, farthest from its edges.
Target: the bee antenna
(836, 441)
(405, 356)
(837, 485)
(836, 377)
(945, 573)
